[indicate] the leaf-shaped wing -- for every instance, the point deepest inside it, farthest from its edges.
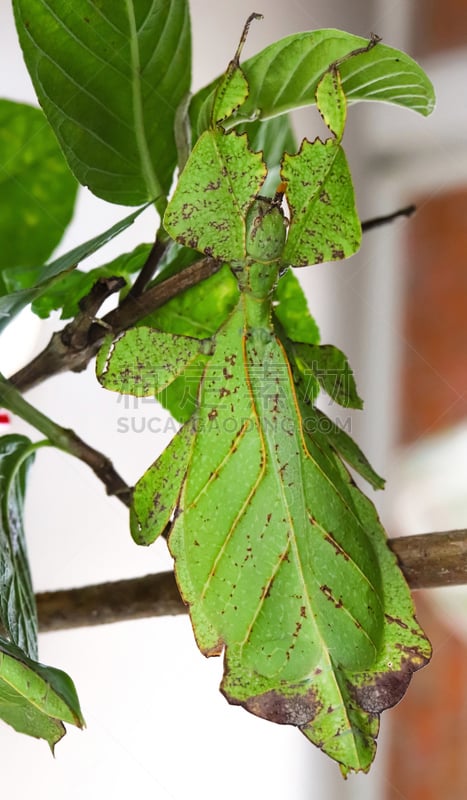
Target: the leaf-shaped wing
(325, 225)
(144, 361)
(220, 180)
(281, 561)
(156, 493)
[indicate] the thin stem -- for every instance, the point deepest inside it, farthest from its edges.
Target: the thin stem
(65, 439)
(61, 355)
(148, 269)
(377, 222)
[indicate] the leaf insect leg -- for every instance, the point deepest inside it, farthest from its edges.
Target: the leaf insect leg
(236, 59)
(374, 40)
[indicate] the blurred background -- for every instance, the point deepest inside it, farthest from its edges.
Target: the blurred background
(156, 722)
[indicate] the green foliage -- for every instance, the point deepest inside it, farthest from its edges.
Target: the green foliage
(37, 281)
(34, 699)
(200, 310)
(109, 77)
(291, 310)
(280, 557)
(37, 190)
(73, 286)
(330, 367)
(17, 603)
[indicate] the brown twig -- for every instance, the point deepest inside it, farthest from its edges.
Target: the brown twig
(377, 222)
(76, 334)
(148, 269)
(59, 356)
(427, 560)
(65, 439)
(149, 596)
(65, 352)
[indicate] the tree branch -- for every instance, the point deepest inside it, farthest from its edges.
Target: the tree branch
(151, 596)
(67, 440)
(427, 561)
(63, 353)
(66, 351)
(377, 222)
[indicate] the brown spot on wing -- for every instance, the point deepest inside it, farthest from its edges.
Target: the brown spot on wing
(386, 689)
(293, 710)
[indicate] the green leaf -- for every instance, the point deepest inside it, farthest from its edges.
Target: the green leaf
(37, 190)
(34, 699)
(286, 74)
(40, 279)
(320, 428)
(291, 309)
(156, 493)
(73, 286)
(18, 613)
(288, 568)
(331, 102)
(109, 77)
(220, 180)
(129, 366)
(331, 368)
(324, 222)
